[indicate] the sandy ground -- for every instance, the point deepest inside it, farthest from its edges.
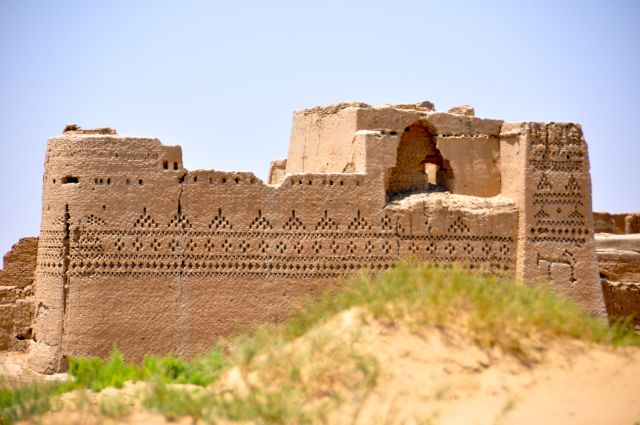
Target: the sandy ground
(442, 378)
(14, 370)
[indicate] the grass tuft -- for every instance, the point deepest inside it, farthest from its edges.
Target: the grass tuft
(495, 312)
(25, 401)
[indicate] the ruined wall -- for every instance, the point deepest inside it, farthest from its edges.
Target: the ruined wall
(323, 141)
(619, 265)
(619, 224)
(16, 295)
(138, 252)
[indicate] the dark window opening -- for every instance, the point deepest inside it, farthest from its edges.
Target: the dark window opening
(69, 179)
(25, 334)
(175, 165)
(165, 165)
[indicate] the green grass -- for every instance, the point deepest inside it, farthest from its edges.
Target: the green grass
(25, 401)
(301, 385)
(95, 374)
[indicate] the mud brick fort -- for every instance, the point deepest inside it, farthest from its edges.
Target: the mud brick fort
(138, 252)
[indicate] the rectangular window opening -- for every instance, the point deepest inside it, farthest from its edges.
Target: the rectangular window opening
(70, 179)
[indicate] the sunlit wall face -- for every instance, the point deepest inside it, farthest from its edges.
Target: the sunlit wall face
(222, 78)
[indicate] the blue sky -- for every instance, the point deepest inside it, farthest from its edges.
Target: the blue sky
(222, 78)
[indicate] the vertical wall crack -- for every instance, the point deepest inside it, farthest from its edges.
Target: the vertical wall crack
(182, 296)
(66, 245)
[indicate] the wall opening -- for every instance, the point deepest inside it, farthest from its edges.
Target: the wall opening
(70, 179)
(419, 164)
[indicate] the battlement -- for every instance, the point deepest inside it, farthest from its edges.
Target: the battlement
(136, 250)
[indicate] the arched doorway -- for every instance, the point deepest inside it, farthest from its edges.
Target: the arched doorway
(419, 163)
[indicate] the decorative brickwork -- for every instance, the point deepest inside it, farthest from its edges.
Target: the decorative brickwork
(139, 252)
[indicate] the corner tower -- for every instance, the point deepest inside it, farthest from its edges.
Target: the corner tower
(95, 184)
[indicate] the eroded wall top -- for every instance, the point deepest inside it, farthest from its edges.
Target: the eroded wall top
(465, 149)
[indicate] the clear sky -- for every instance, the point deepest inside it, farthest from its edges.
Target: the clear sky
(221, 78)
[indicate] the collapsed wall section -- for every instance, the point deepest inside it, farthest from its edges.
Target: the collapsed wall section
(465, 148)
(16, 295)
(619, 266)
(619, 224)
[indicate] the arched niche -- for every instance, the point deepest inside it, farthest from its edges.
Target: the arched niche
(419, 164)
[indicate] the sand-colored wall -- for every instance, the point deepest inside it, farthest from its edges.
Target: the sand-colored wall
(16, 295)
(620, 224)
(139, 252)
(619, 267)
(323, 141)
(548, 171)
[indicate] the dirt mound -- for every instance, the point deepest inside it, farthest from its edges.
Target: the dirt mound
(443, 378)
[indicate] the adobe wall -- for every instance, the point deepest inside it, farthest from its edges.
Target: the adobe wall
(619, 267)
(323, 141)
(16, 295)
(138, 252)
(619, 224)
(546, 171)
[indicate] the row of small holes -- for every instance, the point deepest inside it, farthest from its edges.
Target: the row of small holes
(252, 180)
(108, 181)
(324, 182)
(225, 180)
